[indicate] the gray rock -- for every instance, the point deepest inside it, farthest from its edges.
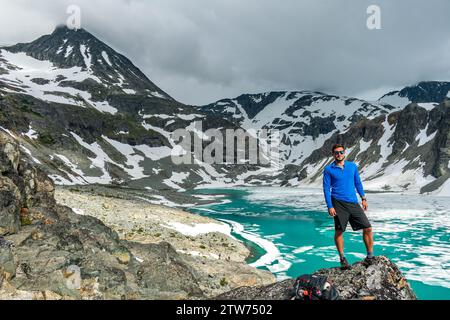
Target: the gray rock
(277, 291)
(164, 270)
(7, 263)
(52, 241)
(9, 154)
(10, 204)
(380, 281)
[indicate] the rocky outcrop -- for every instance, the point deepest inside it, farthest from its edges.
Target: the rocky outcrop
(380, 281)
(21, 186)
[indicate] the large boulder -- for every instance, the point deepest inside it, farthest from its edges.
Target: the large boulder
(9, 154)
(22, 186)
(10, 197)
(10, 205)
(164, 270)
(7, 262)
(380, 281)
(35, 186)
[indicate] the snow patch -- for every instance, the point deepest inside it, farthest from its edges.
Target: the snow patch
(106, 58)
(198, 228)
(86, 56)
(129, 91)
(272, 259)
(27, 68)
(133, 159)
(157, 95)
(428, 106)
(99, 161)
(423, 138)
(31, 133)
(69, 50)
(27, 151)
(175, 179)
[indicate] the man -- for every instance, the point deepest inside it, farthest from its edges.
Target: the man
(340, 179)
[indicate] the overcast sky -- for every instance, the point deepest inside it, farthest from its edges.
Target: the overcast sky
(200, 51)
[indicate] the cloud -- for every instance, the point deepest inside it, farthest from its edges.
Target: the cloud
(200, 51)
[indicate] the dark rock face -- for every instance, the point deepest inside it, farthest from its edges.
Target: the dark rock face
(425, 91)
(162, 260)
(404, 143)
(10, 206)
(21, 186)
(7, 263)
(380, 281)
(49, 248)
(251, 107)
(278, 291)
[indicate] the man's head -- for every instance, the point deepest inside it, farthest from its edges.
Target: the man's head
(338, 151)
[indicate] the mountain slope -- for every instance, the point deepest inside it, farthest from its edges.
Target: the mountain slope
(88, 115)
(305, 118)
(407, 150)
(88, 57)
(422, 92)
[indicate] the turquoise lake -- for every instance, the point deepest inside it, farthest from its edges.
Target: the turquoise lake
(290, 232)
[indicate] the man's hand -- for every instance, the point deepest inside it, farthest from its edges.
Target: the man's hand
(332, 212)
(364, 204)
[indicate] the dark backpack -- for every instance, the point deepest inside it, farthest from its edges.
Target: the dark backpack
(313, 287)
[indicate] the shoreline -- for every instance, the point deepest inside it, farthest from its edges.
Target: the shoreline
(260, 252)
(219, 259)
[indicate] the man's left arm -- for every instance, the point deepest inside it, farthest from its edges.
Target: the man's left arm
(360, 189)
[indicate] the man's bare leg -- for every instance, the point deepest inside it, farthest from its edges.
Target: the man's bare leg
(368, 241)
(339, 241)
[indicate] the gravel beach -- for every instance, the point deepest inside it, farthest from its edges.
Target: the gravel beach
(205, 244)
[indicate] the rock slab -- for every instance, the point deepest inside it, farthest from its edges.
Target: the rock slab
(382, 280)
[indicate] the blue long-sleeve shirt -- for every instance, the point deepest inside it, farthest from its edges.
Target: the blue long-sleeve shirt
(340, 183)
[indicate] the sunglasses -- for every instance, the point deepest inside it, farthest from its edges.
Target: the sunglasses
(339, 152)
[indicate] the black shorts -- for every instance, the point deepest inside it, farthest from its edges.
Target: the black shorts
(349, 212)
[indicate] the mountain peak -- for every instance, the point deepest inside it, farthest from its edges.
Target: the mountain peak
(67, 48)
(62, 28)
(79, 34)
(421, 92)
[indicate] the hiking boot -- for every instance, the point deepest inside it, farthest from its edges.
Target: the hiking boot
(368, 261)
(344, 264)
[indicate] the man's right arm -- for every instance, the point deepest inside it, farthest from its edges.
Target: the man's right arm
(327, 188)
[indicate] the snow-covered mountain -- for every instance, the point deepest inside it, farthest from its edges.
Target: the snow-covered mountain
(422, 92)
(57, 63)
(86, 114)
(305, 118)
(400, 141)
